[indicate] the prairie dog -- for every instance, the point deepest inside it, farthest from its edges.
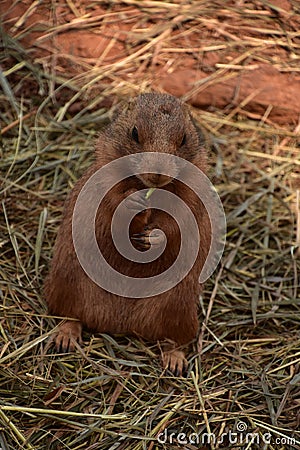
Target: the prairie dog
(160, 124)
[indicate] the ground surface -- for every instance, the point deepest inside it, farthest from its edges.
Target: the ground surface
(62, 66)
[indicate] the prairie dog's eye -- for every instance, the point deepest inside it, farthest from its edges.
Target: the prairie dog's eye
(135, 134)
(183, 141)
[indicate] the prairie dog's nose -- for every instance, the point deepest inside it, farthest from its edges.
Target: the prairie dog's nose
(157, 163)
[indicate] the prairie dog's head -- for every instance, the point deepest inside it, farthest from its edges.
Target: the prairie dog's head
(156, 123)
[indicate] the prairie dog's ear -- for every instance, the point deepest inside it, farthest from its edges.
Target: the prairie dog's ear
(121, 108)
(189, 115)
(202, 133)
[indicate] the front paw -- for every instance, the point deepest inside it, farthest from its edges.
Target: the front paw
(136, 201)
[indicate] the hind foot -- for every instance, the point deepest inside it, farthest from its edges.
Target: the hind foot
(175, 361)
(68, 333)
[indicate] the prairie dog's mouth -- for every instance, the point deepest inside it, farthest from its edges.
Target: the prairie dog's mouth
(155, 180)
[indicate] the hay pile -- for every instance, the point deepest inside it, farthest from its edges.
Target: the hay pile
(112, 393)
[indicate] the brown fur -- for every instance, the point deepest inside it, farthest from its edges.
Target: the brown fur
(161, 121)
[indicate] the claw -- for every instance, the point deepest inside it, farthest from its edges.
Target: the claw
(148, 237)
(68, 333)
(175, 361)
(139, 239)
